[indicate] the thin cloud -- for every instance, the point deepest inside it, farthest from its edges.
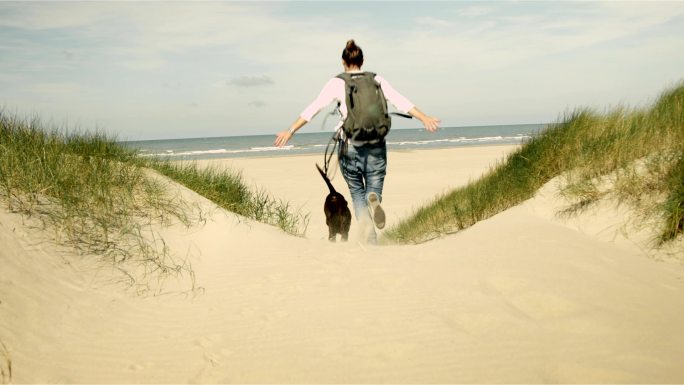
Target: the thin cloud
(475, 11)
(257, 104)
(433, 22)
(251, 81)
(68, 55)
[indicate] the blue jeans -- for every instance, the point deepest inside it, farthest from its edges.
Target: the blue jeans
(363, 168)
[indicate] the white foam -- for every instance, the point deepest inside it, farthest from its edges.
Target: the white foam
(221, 151)
(486, 139)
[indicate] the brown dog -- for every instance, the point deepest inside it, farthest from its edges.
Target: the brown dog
(337, 214)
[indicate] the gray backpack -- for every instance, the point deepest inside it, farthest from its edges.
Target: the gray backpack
(367, 117)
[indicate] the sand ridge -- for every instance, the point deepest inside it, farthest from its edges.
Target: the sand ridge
(521, 297)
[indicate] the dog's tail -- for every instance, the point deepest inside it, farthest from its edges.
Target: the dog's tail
(326, 179)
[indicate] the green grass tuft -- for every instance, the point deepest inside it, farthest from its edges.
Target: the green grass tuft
(228, 190)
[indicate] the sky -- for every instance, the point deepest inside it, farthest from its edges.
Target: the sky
(163, 70)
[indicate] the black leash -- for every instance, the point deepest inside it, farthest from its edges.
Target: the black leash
(327, 156)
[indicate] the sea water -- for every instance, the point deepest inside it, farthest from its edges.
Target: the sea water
(316, 142)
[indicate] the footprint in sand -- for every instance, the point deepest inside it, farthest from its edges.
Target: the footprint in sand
(212, 356)
(139, 366)
(136, 367)
(209, 340)
(499, 285)
(527, 300)
(540, 306)
(478, 324)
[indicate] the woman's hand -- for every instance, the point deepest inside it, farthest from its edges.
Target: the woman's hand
(431, 124)
(282, 138)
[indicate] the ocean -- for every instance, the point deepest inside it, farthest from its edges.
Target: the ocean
(316, 142)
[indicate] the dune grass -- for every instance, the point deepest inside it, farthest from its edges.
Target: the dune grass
(640, 151)
(100, 198)
(89, 193)
(228, 190)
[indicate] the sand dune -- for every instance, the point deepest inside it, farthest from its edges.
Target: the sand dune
(521, 297)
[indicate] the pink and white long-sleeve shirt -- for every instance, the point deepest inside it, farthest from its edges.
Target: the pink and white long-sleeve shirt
(334, 91)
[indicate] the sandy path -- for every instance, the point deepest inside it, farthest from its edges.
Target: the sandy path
(520, 297)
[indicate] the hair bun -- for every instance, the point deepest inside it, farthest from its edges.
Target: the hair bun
(352, 54)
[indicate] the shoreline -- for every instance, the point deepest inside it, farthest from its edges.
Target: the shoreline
(321, 153)
(314, 142)
(284, 154)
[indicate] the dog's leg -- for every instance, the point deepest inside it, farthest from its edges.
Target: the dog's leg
(332, 235)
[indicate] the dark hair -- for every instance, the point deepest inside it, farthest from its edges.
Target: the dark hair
(352, 54)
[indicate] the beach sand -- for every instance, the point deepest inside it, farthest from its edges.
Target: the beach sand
(521, 297)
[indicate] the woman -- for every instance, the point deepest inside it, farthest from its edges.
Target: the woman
(363, 164)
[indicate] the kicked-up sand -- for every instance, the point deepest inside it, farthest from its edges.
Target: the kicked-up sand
(521, 297)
